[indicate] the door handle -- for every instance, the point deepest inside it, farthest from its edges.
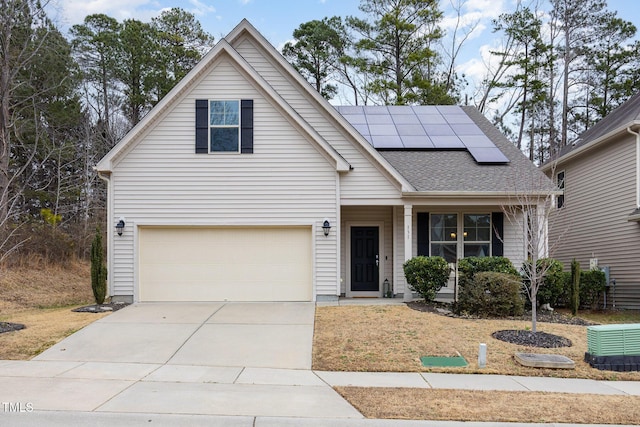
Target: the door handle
(377, 260)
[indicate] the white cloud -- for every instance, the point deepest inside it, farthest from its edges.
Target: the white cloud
(200, 8)
(73, 12)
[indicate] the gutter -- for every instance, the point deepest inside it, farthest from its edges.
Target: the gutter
(479, 195)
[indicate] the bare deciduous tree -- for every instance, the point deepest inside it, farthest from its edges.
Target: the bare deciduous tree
(532, 208)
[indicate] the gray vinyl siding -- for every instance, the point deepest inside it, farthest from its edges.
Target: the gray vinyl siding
(286, 181)
(363, 182)
(600, 193)
(368, 215)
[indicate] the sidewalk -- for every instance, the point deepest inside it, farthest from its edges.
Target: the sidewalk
(82, 393)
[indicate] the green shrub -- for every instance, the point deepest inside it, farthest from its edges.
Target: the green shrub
(98, 269)
(553, 289)
(426, 275)
(491, 294)
(592, 285)
(468, 267)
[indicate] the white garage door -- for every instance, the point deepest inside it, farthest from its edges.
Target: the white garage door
(225, 264)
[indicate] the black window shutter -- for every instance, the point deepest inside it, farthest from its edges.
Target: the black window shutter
(202, 126)
(497, 244)
(423, 233)
(246, 126)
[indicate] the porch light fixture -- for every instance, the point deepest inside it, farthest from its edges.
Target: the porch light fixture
(453, 235)
(326, 226)
(120, 226)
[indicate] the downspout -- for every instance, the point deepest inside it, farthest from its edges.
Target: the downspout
(106, 178)
(637, 135)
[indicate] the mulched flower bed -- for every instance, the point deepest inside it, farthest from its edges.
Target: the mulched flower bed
(519, 337)
(532, 339)
(114, 306)
(444, 309)
(8, 327)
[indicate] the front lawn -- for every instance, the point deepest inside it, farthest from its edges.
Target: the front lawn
(393, 338)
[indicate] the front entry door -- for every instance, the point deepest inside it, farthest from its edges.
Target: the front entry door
(365, 259)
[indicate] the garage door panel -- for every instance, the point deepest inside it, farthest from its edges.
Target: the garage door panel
(234, 264)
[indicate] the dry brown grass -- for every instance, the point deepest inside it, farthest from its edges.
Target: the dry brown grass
(393, 338)
(35, 285)
(494, 406)
(41, 297)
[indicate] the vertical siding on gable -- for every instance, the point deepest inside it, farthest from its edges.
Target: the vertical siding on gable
(285, 181)
(365, 181)
(600, 193)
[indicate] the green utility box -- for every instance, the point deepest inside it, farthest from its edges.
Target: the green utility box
(614, 347)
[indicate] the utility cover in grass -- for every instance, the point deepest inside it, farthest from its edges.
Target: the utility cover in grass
(443, 362)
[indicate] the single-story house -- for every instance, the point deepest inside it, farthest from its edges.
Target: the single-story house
(244, 184)
(598, 217)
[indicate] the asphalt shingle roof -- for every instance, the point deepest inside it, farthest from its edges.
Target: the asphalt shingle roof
(626, 113)
(443, 170)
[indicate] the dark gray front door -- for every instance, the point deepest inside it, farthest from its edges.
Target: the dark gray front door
(364, 259)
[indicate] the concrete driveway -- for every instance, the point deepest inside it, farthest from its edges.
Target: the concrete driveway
(237, 359)
(263, 335)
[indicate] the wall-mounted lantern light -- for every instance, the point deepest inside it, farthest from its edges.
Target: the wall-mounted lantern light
(120, 226)
(326, 226)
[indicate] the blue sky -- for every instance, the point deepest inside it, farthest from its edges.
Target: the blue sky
(276, 19)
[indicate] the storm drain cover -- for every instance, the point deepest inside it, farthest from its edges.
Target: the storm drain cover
(443, 362)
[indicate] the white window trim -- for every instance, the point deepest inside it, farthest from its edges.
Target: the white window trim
(238, 127)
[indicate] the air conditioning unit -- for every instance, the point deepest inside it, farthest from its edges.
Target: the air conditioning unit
(614, 347)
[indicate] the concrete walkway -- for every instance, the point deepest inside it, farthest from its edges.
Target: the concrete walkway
(222, 364)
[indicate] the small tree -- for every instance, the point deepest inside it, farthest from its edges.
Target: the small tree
(98, 269)
(531, 209)
(426, 275)
(575, 286)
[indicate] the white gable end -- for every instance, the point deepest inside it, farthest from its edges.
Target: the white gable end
(368, 180)
(287, 180)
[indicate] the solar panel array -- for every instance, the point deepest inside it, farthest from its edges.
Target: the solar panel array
(422, 127)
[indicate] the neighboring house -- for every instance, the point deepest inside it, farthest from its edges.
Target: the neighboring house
(599, 212)
(244, 184)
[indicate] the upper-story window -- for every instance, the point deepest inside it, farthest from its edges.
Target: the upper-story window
(224, 126)
(224, 122)
(560, 184)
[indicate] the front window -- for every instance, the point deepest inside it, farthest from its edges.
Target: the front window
(444, 236)
(477, 235)
(224, 126)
